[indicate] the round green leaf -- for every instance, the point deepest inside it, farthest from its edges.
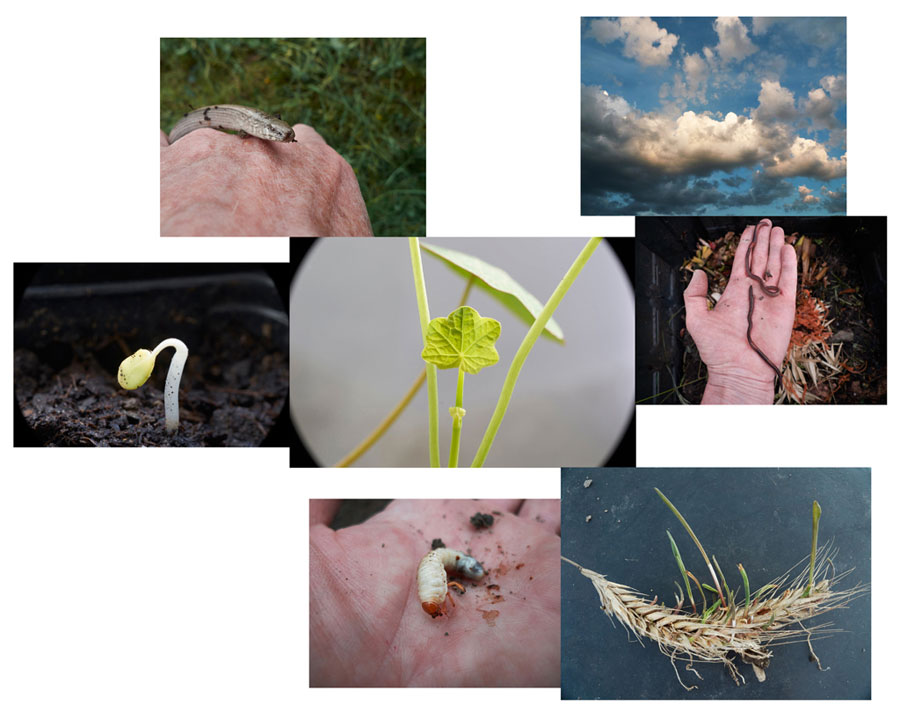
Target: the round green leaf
(463, 339)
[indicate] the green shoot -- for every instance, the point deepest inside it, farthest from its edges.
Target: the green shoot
(463, 340)
(680, 596)
(721, 576)
(457, 412)
(712, 609)
(817, 513)
(392, 416)
(746, 587)
(434, 450)
(731, 607)
(702, 594)
(521, 355)
(683, 571)
(696, 541)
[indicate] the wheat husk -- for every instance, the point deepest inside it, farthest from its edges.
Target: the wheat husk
(775, 616)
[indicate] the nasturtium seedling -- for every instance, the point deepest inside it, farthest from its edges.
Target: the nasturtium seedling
(463, 339)
(135, 370)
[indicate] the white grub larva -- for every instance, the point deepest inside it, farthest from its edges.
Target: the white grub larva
(432, 577)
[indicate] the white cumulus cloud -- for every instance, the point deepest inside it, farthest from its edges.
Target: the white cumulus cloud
(775, 103)
(734, 41)
(807, 157)
(645, 41)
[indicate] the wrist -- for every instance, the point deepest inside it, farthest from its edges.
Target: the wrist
(737, 388)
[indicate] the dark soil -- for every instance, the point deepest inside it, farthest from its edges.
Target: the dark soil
(481, 520)
(68, 350)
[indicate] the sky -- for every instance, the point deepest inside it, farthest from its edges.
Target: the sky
(713, 116)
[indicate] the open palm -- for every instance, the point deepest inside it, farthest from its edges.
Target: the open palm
(721, 333)
(366, 623)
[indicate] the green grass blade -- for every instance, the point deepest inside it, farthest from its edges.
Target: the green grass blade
(683, 571)
(746, 587)
(817, 513)
(694, 538)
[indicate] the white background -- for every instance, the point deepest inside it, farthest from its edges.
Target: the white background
(137, 583)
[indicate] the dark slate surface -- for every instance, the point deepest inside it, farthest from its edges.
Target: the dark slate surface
(760, 517)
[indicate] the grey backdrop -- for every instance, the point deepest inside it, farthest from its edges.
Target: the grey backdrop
(570, 406)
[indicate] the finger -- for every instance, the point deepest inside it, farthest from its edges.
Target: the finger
(163, 139)
(695, 296)
(322, 512)
(788, 280)
(545, 512)
(760, 259)
(738, 267)
(773, 264)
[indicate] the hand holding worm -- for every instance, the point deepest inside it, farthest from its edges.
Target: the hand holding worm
(367, 625)
(216, 184)
(740, 373)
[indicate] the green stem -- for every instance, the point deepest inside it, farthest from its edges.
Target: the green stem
(434, 448)
(746, 587)
(392, 416)
(712, 609)
(696, 542)
(721, 576)
(702, 594)
(537, 327)
(683, 571)
(457, 413)
(817, 513)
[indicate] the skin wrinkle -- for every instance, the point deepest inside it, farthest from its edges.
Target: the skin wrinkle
(262, 188)
(411, 589)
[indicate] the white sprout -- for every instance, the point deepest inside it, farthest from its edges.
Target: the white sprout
(135, 370)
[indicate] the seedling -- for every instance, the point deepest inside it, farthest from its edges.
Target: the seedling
(135, 370)
(464, 340)
(728, 630)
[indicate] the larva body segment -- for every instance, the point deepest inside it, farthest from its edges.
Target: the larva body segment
(432, 576)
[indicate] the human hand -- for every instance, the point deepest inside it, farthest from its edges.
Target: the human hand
(213, 183)
(367, 626)
(736, 372)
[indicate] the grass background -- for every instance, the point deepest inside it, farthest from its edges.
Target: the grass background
(366, 97)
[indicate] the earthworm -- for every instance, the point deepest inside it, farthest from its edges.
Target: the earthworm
(432, 577)
(753, 344)
(770, 290)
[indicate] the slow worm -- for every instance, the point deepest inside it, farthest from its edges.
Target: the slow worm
(243, 120)
(770, 290)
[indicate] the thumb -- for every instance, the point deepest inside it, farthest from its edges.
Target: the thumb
(695, 295)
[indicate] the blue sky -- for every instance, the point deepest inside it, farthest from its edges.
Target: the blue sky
(713, 116)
